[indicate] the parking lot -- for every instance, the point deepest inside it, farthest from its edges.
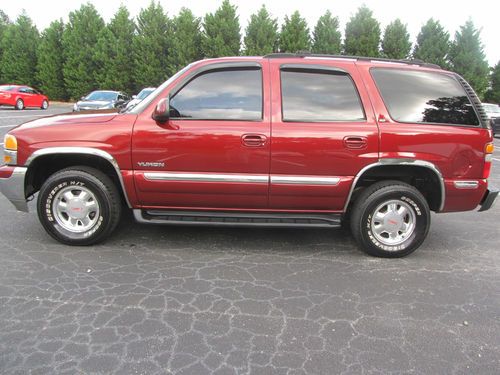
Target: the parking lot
(184, 300)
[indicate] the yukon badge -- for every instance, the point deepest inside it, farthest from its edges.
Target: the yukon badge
(152, 164)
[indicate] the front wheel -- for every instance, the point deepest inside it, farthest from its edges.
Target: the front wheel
(79, 206)
(45, 104)
(390, 219)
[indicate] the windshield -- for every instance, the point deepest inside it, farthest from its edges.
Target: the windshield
(104, 96)
(492, 108)
(142, 105)
(7, 88)
(144, 93)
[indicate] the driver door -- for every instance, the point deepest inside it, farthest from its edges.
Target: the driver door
(214, 151)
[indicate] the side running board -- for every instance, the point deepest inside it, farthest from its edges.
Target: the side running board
(237, 218)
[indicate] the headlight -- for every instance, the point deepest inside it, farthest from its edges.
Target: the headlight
(10, 149)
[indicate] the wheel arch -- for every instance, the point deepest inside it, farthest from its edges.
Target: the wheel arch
(56, 158)
(411, 171)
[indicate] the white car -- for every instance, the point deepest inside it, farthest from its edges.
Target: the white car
(136, 99)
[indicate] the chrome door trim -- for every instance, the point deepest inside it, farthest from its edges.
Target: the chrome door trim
(304, 180)
(206, 177)
(395, 161)
(241, 178)
(82, 151)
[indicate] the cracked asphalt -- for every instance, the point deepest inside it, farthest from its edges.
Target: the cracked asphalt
(184, 300)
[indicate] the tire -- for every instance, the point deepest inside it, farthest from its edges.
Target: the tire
(45, 104)
(390, 219)
(73, 218)
(19, 104)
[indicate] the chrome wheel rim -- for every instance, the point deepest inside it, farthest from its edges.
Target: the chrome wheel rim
(20, 104)
(76, 209)
(393, 222)
(45, 104)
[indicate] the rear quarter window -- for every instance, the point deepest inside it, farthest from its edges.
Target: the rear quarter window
(424, 97)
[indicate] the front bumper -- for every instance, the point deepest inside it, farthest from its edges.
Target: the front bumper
(12, 186)
(489, 199)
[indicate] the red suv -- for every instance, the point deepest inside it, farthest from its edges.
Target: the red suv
(282, 140)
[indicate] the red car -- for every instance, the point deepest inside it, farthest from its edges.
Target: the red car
(22, 97)
(281, 140)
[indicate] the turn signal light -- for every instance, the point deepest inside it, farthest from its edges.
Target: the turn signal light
(10, 142)
(7, 159)
(490, 147)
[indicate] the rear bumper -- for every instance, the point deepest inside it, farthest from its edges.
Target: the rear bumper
(489, 199)
(12, 186)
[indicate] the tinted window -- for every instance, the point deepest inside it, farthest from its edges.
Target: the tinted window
(221, 95)
(415, 96)
(319, 96)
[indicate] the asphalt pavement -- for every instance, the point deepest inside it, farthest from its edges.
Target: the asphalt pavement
(184, 300)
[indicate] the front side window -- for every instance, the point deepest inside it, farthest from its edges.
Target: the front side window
(234, 94)
(319, 96)
(424, 97)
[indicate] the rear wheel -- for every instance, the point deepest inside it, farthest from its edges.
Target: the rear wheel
(19, 104)
(390, 219)
(45, 104)
(79, 206)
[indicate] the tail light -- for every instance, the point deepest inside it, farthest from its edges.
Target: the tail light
(489, 148)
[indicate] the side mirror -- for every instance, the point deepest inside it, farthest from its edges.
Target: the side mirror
(161, 113)
(134, 96)
(82, 98)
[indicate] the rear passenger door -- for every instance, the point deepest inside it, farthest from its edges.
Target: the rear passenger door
(323, 133)
(26, 96)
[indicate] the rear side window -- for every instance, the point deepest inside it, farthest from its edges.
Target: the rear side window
(234, 94)
(319, 96)
(424, 97)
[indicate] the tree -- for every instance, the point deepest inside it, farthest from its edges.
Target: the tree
(151, 46)
(186, 40)
(79, 40)
(50, 62)
(493, 94)
(467, 58)
(326, 35)
(4, 22)
(433, 44)
(294, 34)
(396, 42)
(261, 34)
(112, 54)
(221, 35)
(362, 34)
(19, 45)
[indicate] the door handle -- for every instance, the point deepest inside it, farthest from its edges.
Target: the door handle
(253, 140)
(355, 142)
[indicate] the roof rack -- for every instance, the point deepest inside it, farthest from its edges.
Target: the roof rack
(358, 58)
